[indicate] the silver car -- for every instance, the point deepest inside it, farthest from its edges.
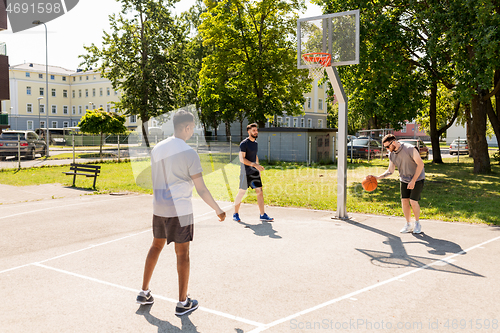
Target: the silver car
(459, 147)
(27, 143)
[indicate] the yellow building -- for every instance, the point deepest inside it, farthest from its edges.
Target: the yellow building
(70, 94)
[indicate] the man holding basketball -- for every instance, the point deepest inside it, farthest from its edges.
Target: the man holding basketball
(250, 173)
(411, 175)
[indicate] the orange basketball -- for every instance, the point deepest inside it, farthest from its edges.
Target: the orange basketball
(369, 183)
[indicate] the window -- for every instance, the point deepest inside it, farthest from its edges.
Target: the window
(28, 74)
(79, 93)
(41, 91)
(86, 93)
(101, 106)
(279, 120)
(93, 92)
(65, 109)
(52, 77)
(100, 91)
(28, 90)
(108, 108)
(295, 122)
(107, 91)
(74, 124)
(74, 79)
(302, 124)
(29, 108)
(320, 123)
(116, 92)
(42, 108)
(403, 130)
(95, 77)
(54, 109)
(309, 123)
(86, 108)
(54, 124)
(133, 118)
(29, 125)
(64, 78)
(66, 124)
(320, 104)
(87, 77)
(73, 92)
(53, 93)
(65, 93)
(79, 109)
(80, 78)
(287, 122)
(40, 76)
(309, 102)
(73, 109)
(42, 124)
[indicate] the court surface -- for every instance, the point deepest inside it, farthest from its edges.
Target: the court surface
(74, 263)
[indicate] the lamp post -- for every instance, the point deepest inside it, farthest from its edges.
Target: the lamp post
(38, 22)
(39, 122)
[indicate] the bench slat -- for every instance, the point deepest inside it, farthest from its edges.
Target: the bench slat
(79, 169)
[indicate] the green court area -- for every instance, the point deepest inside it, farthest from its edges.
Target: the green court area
(452, 192)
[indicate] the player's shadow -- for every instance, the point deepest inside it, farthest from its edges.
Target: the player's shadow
(165, 326)
(438, 246)
(263, 229)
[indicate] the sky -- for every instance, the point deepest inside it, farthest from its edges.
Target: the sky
(83, 25)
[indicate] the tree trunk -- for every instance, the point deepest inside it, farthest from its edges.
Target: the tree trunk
(436, 150)
(478, 135)
(228, 129)
(145, 132)
(494, 115)
(100, 148)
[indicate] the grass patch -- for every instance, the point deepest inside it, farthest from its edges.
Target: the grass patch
(451, 193)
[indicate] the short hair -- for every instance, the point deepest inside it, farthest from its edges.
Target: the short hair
(388, 138)
(182, 117)
(252, 125)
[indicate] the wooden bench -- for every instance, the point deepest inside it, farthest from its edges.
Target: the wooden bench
(86, 170)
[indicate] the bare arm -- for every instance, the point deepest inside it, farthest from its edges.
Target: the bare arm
(390, 170)
(204, 193)
(252, 164)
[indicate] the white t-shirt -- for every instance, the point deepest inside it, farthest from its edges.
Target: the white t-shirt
(173, 163)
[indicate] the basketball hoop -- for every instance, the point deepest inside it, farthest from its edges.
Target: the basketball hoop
(316, 62)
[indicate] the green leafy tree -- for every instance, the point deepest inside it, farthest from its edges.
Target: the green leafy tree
(141, 58)
(252, 68)
(100, 122)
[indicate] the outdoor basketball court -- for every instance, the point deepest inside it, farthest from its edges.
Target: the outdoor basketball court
(75, 264)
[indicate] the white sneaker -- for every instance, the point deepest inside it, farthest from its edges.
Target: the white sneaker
(407, 228)
(418, 228)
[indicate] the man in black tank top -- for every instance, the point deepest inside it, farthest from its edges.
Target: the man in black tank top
(250, 173)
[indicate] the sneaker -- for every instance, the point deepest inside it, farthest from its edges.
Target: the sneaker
(266, 218)
(407, 228)
(236, 217)
(418, 228)
(145, 298)
(191, 305)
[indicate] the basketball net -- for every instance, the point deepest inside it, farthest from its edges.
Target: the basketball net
(312, 61)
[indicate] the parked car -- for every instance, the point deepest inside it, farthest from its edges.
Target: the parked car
(29, 144)
(364, 148)
(420, 145)
(459, 146)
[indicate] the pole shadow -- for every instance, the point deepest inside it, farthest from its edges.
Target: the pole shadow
(263, 229)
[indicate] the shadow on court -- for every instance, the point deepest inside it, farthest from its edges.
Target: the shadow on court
(165, 326)
(263, 229)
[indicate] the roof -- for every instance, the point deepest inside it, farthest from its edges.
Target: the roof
(52, 69)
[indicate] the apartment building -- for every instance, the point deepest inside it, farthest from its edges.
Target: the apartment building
(64, 100)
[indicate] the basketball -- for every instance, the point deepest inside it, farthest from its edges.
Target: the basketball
(369, 183)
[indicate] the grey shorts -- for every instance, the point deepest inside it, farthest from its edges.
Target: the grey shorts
(174, 229)
(413, 194)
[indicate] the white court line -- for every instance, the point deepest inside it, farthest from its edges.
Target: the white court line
(171, 300)
(396, 278)
(198, 218)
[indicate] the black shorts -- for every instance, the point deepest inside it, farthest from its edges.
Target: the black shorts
(174, 229)
(413, 194)
(250, 180)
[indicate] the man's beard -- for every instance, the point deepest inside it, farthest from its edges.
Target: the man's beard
(255, 136)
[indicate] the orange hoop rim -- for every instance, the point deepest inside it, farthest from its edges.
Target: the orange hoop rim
(321, 58)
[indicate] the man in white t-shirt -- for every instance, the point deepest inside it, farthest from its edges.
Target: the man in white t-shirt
(175, 170)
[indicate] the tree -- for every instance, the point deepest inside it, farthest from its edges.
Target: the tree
(100, 122)
(141, 58)
(254, 55)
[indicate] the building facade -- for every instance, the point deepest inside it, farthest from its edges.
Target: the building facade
(70, 94)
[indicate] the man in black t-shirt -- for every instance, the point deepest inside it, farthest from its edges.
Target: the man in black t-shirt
(250, 173)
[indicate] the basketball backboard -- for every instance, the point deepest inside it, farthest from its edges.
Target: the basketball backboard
(336, 34)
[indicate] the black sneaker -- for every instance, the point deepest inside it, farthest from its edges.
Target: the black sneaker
(181, 309)
(144, 298)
